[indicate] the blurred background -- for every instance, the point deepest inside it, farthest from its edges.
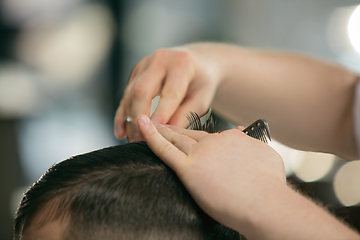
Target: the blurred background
(64, 65)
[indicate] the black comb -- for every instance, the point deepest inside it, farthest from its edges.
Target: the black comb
(259, 130)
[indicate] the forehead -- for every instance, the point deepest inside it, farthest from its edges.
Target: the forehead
(42, 227)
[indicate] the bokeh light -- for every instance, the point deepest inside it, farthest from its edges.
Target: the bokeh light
(307, 166)
(343, 33)
(292, 158)
(347, 182)
(69, 51)
(19, 94)
(354, 29)
(314, 166)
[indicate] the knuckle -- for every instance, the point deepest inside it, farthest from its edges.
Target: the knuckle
(164, 147)
(127, 90)
(139, 91)
(160, 58)
(152, 134)
(172, 93)
(133, 72)
(177, 57)
(161, 51)
(160, 54)
(183, 58)
(125, 101)
(177, 139)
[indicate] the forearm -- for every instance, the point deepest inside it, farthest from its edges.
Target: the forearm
(289, 215)
(308, 103)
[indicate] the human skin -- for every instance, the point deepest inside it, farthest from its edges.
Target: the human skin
(241, 183)
(42, 226)
(307, 102)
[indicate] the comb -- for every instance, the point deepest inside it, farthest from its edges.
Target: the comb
(204, 123)
(259, 130)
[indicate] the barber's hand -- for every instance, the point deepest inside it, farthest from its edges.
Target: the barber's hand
(185, 81)
(229, 174)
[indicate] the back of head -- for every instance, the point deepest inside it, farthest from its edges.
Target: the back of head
(120, 192)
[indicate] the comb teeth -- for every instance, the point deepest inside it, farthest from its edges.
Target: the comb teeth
(196, 124)
(259, 130)
(194, 121)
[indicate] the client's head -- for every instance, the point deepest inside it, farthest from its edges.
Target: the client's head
(121, 192)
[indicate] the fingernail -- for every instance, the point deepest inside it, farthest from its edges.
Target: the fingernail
(240, 128)
(119, 132)
(143, 119)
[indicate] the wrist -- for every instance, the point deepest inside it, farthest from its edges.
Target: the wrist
(257, 216)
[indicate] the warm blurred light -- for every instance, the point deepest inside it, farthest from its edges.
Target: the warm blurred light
(292, 158)
(16, 12)
(19, 94)
(347, 183)
(344, 36)
(314, 166)
(354, 29)
(308, 166)
(71, 51)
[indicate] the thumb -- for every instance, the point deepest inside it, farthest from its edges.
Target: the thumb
(164, 149)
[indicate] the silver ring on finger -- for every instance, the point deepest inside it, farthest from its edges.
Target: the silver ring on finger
(128, 119)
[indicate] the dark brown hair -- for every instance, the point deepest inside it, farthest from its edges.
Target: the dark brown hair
(120, 192)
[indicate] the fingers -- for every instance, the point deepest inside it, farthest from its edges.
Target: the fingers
(168, 71)
(146, 88)
(198, 100)
(119, 123)
(181, 141)
(194, 134)
(241, 128)
(173, 92)
(164, 149)
(137, 100)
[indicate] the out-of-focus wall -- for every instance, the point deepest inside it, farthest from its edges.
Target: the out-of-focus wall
(56, 81)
